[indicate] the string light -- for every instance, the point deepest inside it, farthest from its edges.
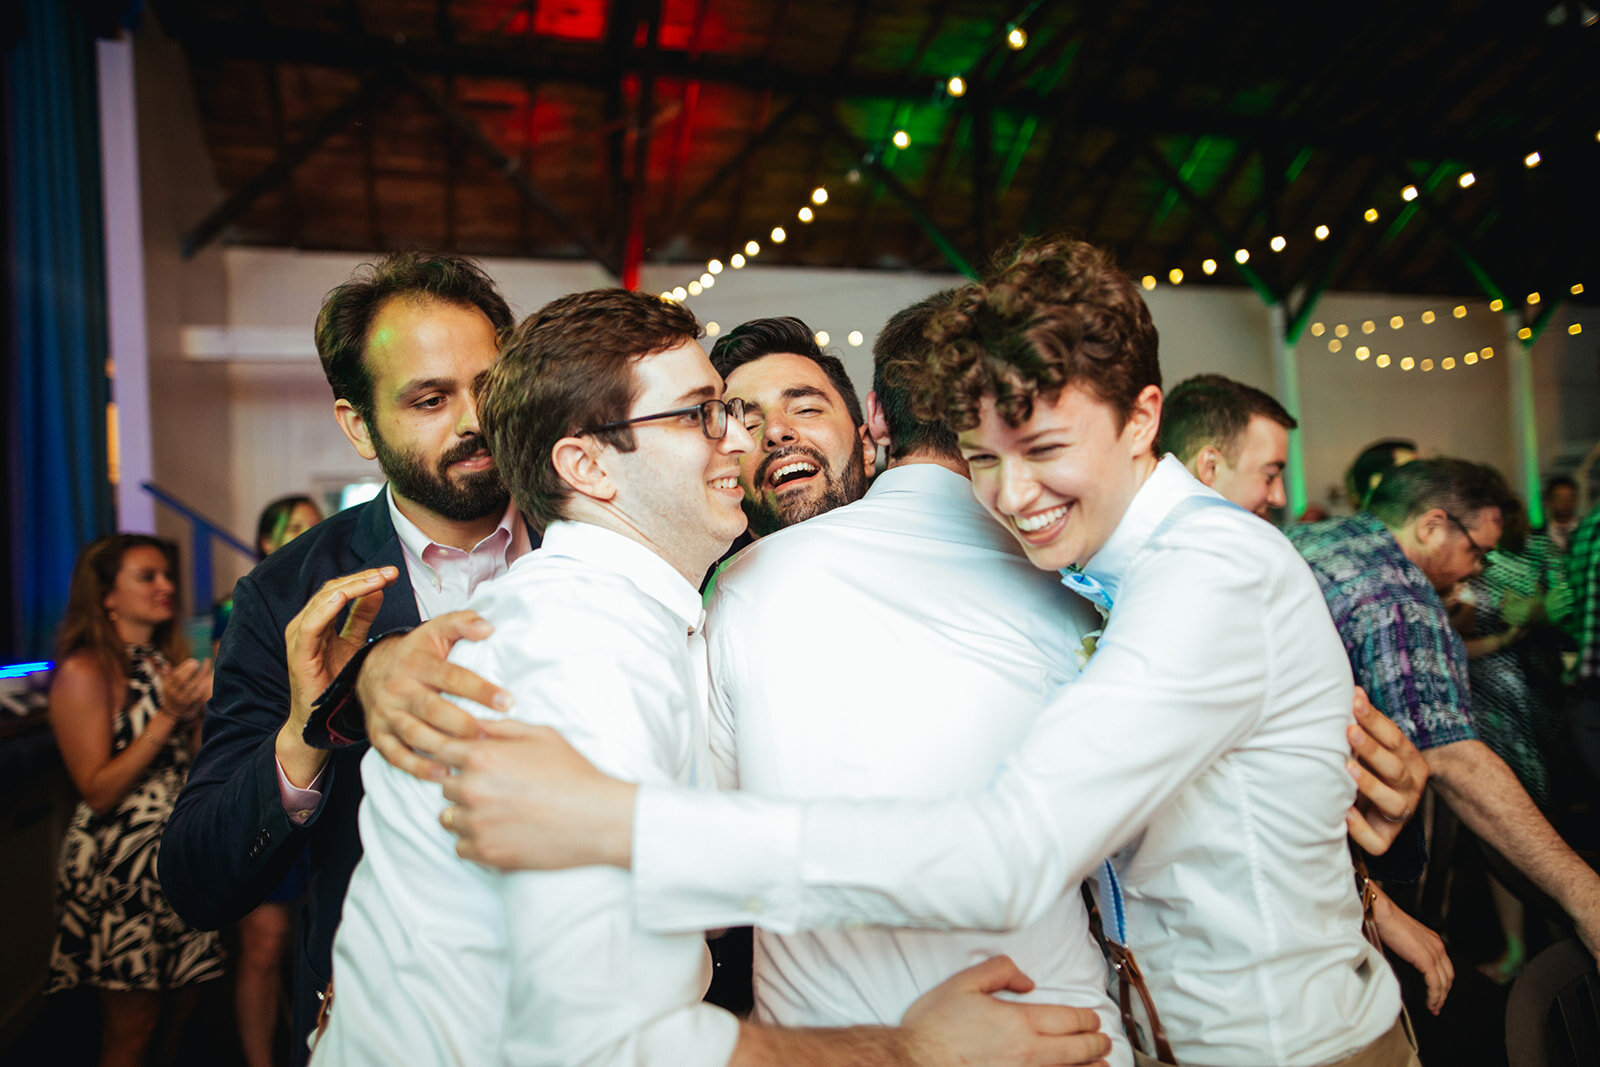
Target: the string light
(1577, 289)
(1532, 159)
(805, 214)
(1575, 329)
(1533, 298)
(1017, 38)
(1371, 214)
(1409, 193)
(1496, 304)
(1278, 243)
(1407, 363)
(1242, 256)
(1466, 180)
(707, 281)
(1382, 360)
(819, 196)
(1175, 275)
(715, 266)
(695, 288)
(822, 338)
(751, 248)
(1524, 333)
(956, 86)
(779, 235)
(855, 338)
(1322, 233)
(713, 328)
(680, 294)
(737, 260)
(901, 139)
(1209, 266)
(1148, 281)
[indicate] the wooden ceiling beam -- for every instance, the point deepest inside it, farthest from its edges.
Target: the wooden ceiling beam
(274, 173)
(576, 63)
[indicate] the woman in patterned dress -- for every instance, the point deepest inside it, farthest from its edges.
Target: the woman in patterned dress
(1510, 620)
(124, 720)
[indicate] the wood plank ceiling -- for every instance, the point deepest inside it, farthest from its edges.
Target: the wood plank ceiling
(672, 131)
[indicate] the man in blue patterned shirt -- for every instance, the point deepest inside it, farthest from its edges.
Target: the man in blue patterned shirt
(1428, 525)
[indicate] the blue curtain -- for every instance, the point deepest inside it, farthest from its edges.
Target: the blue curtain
(58, 491)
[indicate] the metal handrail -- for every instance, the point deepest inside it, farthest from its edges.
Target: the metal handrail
(202, 530)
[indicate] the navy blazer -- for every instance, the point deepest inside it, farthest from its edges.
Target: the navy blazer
(228, 842)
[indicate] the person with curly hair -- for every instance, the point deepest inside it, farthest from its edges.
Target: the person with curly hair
(125, 720)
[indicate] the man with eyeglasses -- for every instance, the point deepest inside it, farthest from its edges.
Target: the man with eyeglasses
(1428, 525)
(607, 422)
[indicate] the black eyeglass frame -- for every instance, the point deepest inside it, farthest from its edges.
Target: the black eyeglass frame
(1478, 550)
(729, 409)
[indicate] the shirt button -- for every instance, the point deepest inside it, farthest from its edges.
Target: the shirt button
(302, 815)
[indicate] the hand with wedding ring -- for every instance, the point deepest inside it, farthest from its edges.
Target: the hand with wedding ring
(1390, 776)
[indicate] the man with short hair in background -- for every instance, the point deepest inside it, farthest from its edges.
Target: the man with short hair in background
(1232, 437)
(1429, 524)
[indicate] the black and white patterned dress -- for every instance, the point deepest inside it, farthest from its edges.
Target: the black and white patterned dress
(116, 929)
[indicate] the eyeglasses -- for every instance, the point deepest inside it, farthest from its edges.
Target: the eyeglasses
(1478, 551)
(713, 415)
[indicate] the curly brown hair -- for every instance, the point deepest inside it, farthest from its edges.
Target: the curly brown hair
(1052, 312)
(563, 369)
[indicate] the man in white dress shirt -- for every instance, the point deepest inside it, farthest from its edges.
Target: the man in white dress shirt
(872, 596)
(1203, 747)
(607, 422)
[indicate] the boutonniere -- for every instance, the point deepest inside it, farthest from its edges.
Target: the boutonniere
(1086, 647)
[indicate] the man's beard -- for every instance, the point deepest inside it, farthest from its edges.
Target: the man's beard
(466, 499)
(770, 512)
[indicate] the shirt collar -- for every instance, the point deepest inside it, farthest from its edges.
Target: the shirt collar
(1169, 483)
(922, 478)
(655, 577)
(510, 536)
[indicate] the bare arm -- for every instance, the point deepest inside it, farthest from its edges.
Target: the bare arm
(956, 1023)
(82, 708)
(1419, 946)
(1492, 803)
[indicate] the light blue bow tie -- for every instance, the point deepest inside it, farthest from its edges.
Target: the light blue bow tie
(1088, 588)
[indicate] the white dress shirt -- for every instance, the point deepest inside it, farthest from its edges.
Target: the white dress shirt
(895, 647)
(442, 961)
(1203, 747)
(442, 578)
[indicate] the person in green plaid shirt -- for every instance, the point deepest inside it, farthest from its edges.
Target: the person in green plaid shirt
(1583, 574)
(1427, 526)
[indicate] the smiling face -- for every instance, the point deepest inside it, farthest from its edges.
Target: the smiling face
(424, 357)
(679, 490)
(809, 456)
(1061, 481)
(142, 597)
(1255, 481)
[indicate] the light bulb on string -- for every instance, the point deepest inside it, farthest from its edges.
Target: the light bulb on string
(713, 328)
(1532, 159)
(1242, 256)
(956, 86)
(1209, 266)
(694, 289)
(680, 294)
(751, 248)
(707, 281)
(1175, 276)
(1278, 243)
(855, 338)
(1409, 193)
(737, 261)
(715, 266)
(819, 196)
(1148, 281)
(779, 235)
(1017, 38)
(1322, 233)
(822, 338)
(901, 139)
(1466, 180)
(805, 214)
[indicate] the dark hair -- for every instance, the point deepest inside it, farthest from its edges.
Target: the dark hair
(1053, 312)
(752, 340)
(275, 517)
(1461, 488)
(344, 323)
(1560, 481)
(1209, 409)
(563, 369)
(899, 356)
(1373, 461)
(85, 625)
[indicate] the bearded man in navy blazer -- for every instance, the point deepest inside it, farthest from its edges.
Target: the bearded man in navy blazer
(402, 343)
